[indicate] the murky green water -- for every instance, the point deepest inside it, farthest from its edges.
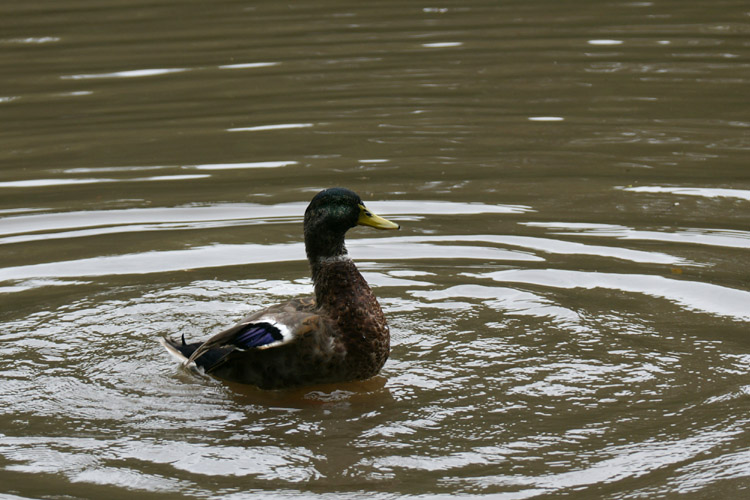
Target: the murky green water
(569, 295)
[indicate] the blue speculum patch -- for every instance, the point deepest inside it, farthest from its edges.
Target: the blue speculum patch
(256, 335)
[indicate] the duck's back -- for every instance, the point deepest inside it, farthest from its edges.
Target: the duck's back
(301, 342)
(338, 336)
(315, 357)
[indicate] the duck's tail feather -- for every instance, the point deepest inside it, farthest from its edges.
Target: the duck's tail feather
(181, 351)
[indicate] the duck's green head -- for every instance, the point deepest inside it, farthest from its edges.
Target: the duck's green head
(331, 213)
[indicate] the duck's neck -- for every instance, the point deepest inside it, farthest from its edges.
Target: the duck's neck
(322, 243)
(333, 276)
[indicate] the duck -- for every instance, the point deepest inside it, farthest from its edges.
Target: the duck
(339, 334)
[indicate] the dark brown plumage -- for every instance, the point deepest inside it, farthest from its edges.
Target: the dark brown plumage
(340, 334)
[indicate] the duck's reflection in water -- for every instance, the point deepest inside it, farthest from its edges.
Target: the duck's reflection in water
(372, 392)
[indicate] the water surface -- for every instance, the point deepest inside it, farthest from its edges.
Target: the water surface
(568, 295)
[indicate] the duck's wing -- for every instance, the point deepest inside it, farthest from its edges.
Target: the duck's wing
(272, 327)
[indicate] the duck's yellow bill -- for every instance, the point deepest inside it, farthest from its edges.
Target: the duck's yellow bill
(367, 218)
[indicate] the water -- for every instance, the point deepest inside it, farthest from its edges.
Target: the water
(568, 295)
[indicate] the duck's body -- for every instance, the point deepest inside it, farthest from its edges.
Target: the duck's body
(339, 334)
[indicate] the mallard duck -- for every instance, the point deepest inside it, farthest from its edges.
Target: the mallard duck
(338, 335)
